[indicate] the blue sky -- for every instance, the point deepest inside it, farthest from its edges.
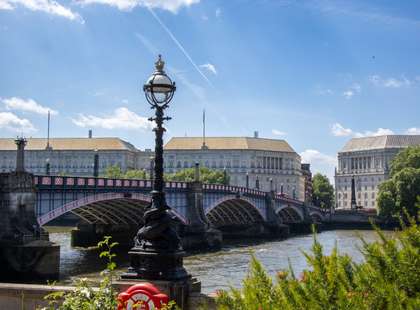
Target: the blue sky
(315, 73)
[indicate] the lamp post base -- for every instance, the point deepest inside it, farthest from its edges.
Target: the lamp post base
(152, 265)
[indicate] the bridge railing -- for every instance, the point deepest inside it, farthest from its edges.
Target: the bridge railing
(232, 189)
(92, 182)
(63, 181)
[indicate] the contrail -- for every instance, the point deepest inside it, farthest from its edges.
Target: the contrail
(179, 46)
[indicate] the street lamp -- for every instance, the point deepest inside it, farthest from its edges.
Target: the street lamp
(47, 166)
(157, 253)
(151, 167)
(95, 163)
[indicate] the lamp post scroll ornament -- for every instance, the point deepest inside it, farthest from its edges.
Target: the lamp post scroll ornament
(157, 253)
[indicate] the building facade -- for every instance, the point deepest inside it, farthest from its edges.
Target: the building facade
(367, 160)
(307, 178)
(69, 156)
(265, 163)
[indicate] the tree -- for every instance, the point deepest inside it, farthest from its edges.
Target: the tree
(323, 191)
(135, 174)
(113, 172)
(206, 176)
(402, 190)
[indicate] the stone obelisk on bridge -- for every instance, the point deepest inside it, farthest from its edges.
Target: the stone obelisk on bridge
(26, 254)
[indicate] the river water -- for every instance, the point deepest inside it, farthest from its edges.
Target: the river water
(218, 270)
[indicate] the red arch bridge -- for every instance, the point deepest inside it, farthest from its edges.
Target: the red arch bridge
(119, 204)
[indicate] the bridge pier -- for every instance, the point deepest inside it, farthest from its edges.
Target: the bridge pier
(26, 254)
(198, 234)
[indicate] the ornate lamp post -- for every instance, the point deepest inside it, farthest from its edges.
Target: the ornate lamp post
(47, 166)
(95, 163)
(151, 167)
(157, 253)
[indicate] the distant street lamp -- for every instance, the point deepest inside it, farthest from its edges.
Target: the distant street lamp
(151, 167)
(47, 166)
(157, 253)
(247, 180)
(96, 164)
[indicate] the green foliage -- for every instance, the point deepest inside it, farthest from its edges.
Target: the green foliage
(323, 191)
(207, 175)
(84, 296)
(402, 189)
(389, 278)
(115, 172)
(135, 174)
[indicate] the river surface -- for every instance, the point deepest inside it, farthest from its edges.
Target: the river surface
(218, 270)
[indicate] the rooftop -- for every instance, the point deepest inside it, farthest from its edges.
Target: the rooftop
(381, 142)
(228, 143)
(101, 144)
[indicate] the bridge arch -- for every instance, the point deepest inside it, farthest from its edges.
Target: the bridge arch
(233, 210)
(118, 209)
(290, 214)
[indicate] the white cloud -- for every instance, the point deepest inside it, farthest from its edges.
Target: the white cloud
(320, 162)
(377, 132)
(28, 105)
(218, 12)
(353, 89)
(122, 118)
(348, 94)
(13, 123)
(413, 131)
(127, 5)
(339, 130)
(209, 67)
(5, 5)
(324, 92)
(278, 132)
(47, 6)
(390, 82)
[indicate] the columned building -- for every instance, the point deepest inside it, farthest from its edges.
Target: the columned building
(367, 160)
(69, 156)
(307, 177)
(263, 163)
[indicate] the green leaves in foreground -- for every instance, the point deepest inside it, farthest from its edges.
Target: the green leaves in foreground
(389, 278)
(84, 296)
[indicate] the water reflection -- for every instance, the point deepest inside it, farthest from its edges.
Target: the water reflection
(218, 270)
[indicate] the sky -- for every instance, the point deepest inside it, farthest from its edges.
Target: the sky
(315, 73)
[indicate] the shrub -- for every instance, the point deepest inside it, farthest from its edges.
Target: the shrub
(389, 278)
(84, 297)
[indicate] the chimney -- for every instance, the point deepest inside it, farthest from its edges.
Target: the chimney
(90, 133)
(255, 134)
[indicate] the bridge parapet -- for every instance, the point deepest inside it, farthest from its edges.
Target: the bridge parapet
(232, 189)
(91, 182)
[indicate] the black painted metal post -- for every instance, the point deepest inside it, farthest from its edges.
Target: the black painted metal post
(247, 180)
(47, 166)
(96, 164)
(257, 183)
(157, 253)
(151, 167)
(353, 203)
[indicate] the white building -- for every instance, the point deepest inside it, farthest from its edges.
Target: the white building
(261, 159)
(368, 161)
(69, 156)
